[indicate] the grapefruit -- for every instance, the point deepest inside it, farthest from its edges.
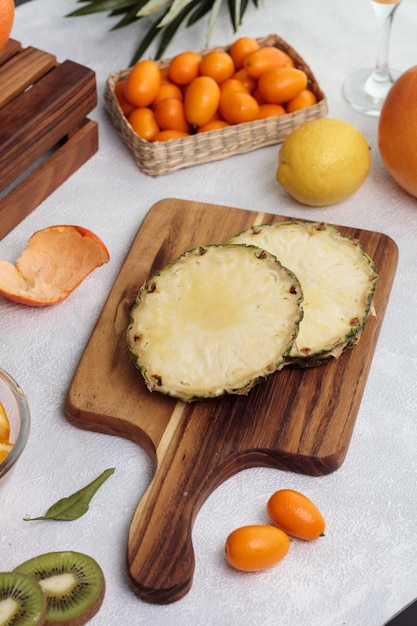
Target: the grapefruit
(6, 21)
(397, 131)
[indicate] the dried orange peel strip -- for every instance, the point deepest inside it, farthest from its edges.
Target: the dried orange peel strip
(54, 262)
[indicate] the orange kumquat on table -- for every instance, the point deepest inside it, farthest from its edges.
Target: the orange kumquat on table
(295, 514)
(256, 547)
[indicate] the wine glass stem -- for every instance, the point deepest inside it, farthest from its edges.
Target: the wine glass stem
(381, 71)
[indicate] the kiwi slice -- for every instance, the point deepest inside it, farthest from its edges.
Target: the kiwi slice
(73, 584)
(22, 601)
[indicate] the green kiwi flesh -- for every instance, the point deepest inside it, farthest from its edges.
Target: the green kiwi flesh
(73, 584)
(22, 601)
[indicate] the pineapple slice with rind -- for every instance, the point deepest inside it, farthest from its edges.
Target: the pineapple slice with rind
(216, 321)
(338, 281)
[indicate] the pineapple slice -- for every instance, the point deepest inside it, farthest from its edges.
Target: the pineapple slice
(216, 321)
(338, 281)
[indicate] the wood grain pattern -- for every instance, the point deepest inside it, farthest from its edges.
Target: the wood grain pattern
(38, 118)
(44, 133)
(297, 420)
(72, 152)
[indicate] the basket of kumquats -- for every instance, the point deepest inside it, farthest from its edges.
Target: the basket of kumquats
(208, 105)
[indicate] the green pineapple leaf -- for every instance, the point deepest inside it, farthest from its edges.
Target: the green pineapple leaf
(165, 17)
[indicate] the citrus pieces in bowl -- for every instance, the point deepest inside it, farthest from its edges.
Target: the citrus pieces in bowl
(5, 445)
(54, 262)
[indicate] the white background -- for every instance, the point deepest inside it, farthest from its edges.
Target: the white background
(365, 569)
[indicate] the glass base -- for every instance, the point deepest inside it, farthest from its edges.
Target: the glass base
(365, 93)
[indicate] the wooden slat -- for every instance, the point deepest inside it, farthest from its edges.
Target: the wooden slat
(23, 70)
(37, 119)
(48, 176)
(11, 48)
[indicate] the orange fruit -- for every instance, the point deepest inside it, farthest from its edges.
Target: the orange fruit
(257, 547)
(213, 125)
(241, 48)
(5, 449)
(201, 100)
(295, 514)
(170, 115)
(184, 67)
(258, 97)
(217, 64)
(4, 425)
(281, 84)
(144, 123)
(142, 83)
(126, 106)
(166, 135)
(248, 81)
(264, 59)
(397, 131)
(233, 84)
(6, 21)
(168, 90)
(238, 107)
(306, 98)
(270, 110)
(54, 262)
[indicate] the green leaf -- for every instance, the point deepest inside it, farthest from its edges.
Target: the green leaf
(95, 6)
(169, 16)
(170, 30)
(73, 507)
(176, 7)
(212, 19)
(153, 6)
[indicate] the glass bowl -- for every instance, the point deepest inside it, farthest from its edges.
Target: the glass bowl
(17, 410)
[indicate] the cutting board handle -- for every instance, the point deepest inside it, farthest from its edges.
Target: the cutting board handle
(160, 551)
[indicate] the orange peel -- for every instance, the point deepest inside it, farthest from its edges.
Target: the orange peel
(55, 261)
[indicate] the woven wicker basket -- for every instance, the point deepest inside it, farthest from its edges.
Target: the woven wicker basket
(163, 157)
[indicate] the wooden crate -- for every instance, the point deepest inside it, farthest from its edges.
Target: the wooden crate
(45, 135)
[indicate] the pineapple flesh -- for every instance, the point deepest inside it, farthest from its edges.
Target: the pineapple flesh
(338, 281)
(216, 321)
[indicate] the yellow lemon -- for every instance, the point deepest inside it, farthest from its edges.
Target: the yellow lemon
(323, 162)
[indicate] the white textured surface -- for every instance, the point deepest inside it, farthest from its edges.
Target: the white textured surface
(365, 569)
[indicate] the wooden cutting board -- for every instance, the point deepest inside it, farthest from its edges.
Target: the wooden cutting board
(297, 420)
